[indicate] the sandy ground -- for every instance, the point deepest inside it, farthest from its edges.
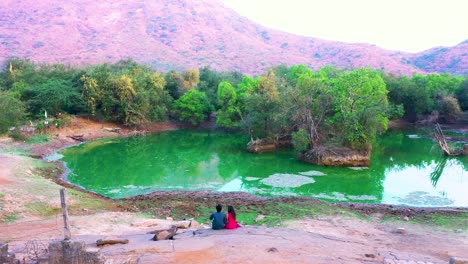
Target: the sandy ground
(24, 196)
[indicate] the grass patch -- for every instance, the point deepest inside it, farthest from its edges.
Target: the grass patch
(14, 151)
(86, 202)
(275, 212)
(37, 139)
(42, 209)
(459, 221)
(9, 218)
(448, 221)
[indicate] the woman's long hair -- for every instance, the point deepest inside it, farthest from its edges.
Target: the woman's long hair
(231, 210)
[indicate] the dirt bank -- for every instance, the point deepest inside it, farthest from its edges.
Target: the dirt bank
(30, 217)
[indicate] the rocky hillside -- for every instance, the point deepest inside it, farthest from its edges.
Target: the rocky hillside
(176, 34)
(453, 60)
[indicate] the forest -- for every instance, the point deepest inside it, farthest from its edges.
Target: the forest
(329, 106)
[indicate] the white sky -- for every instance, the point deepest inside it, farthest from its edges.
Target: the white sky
(408, 25)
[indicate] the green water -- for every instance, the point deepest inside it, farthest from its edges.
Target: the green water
(406, 169)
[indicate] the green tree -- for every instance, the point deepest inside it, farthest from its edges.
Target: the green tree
(308, 102)
(361, 107)
(300, 140)
(54, 96)
(227, 114)
(262, 106)
(128, 93)
(192, 107)
(12, 111)
(462, 94)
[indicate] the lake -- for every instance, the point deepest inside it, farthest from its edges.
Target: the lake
(406, 168)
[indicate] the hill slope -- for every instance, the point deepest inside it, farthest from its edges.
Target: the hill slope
(176, 34)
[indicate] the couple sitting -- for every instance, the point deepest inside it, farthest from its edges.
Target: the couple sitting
(220, 221)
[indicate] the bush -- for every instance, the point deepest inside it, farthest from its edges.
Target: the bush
(300, 140)
(12, 111)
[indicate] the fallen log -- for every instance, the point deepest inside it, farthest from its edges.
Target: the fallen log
(111, 241)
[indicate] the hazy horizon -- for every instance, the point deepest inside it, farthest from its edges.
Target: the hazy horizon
(411, 26)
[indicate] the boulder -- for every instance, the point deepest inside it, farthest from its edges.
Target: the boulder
(183, 224)
(164, 234)
(68, 251)
(342, 156)
(456, 260)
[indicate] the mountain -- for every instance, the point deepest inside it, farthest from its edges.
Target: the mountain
(182, 34)
(453, 60)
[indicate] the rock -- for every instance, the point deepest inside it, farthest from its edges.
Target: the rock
(148, 223)
(111, 241)
(68, 251)
(259, 218)
(183, 224)
(195, 224)
(272, 249)
(458, 231)
(336, 157)
(164, 234)
(406, 218)
(400, 230)
(169, 218)
(457, 260)
(369, 255)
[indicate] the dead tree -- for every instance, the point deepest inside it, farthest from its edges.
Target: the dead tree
(439, 136)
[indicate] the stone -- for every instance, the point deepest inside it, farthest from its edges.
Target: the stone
(183, 224)
(111, 241)
(68, 251)
(369, 255)
(272, 249)
(341, 156)
(406, 218)
(400, 230)
(164, 234)
(194, 224)
(148, 223)
(169, 218)
(259, 218)
(457, 260)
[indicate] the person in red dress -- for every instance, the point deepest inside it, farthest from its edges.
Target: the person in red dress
(231, 219)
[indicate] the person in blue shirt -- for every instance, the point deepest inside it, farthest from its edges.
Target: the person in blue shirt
(218, 219)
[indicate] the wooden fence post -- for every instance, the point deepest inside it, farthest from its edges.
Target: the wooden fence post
(66, 229)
